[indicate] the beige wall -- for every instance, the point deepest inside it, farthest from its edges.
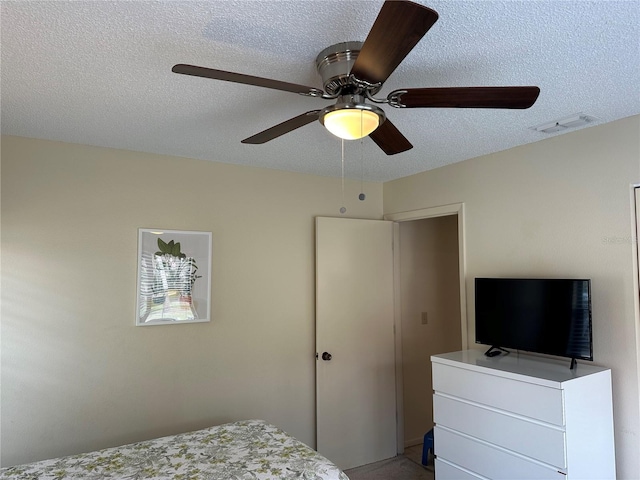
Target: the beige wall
(429, 283)
(76, 373)
(558, 208)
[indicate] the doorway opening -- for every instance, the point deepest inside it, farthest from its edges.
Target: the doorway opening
(430, 316)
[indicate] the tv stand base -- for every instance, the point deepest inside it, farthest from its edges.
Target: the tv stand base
(495, 351)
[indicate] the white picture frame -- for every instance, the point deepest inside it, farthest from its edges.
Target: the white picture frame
(174, 277)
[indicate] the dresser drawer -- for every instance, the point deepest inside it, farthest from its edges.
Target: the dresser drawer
(447, 471)
(541, 442)
(489, 461)
(535, 401)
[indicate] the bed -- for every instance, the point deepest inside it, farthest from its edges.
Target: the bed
(251, 449)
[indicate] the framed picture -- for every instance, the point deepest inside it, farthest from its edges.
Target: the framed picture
(174, 277)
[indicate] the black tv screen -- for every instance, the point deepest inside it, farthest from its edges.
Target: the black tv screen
(549, 316)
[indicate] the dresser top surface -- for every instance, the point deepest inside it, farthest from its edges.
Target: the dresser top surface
(550, 371)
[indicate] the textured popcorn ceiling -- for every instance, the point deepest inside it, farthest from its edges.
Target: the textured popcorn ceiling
(99, 73)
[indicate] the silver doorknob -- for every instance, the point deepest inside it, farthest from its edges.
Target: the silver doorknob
(326, 356)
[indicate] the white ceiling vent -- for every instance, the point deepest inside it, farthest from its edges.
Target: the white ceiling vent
(574, 121)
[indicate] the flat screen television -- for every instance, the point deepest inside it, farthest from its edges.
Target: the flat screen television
(548, 316)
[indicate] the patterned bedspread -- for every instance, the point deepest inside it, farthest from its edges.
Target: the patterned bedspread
(250, 449)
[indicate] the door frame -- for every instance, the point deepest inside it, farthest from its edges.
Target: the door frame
(635, 253)
(423, 213)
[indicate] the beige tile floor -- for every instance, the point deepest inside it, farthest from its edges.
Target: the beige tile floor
(415, 454)
(403, 467)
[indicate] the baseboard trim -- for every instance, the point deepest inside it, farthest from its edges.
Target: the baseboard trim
(413, 442)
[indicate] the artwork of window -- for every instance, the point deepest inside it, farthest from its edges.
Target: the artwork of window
(174, 277)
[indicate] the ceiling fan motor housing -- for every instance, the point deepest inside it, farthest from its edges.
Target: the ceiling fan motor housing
(334, 65)
(355, 102)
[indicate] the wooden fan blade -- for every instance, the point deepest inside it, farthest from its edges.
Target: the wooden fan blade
(245, 79)
(465, 97)
(282, 128)
(399, 27)
(389, 139)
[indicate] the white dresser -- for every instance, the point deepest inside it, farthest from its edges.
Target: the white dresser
(521, 417)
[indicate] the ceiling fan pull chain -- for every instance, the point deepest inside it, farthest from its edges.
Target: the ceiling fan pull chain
(343, 209)
(362, 196)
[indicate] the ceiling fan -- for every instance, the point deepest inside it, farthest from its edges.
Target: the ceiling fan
(353, 72)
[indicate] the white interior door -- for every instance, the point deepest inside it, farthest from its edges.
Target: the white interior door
(355, 388)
